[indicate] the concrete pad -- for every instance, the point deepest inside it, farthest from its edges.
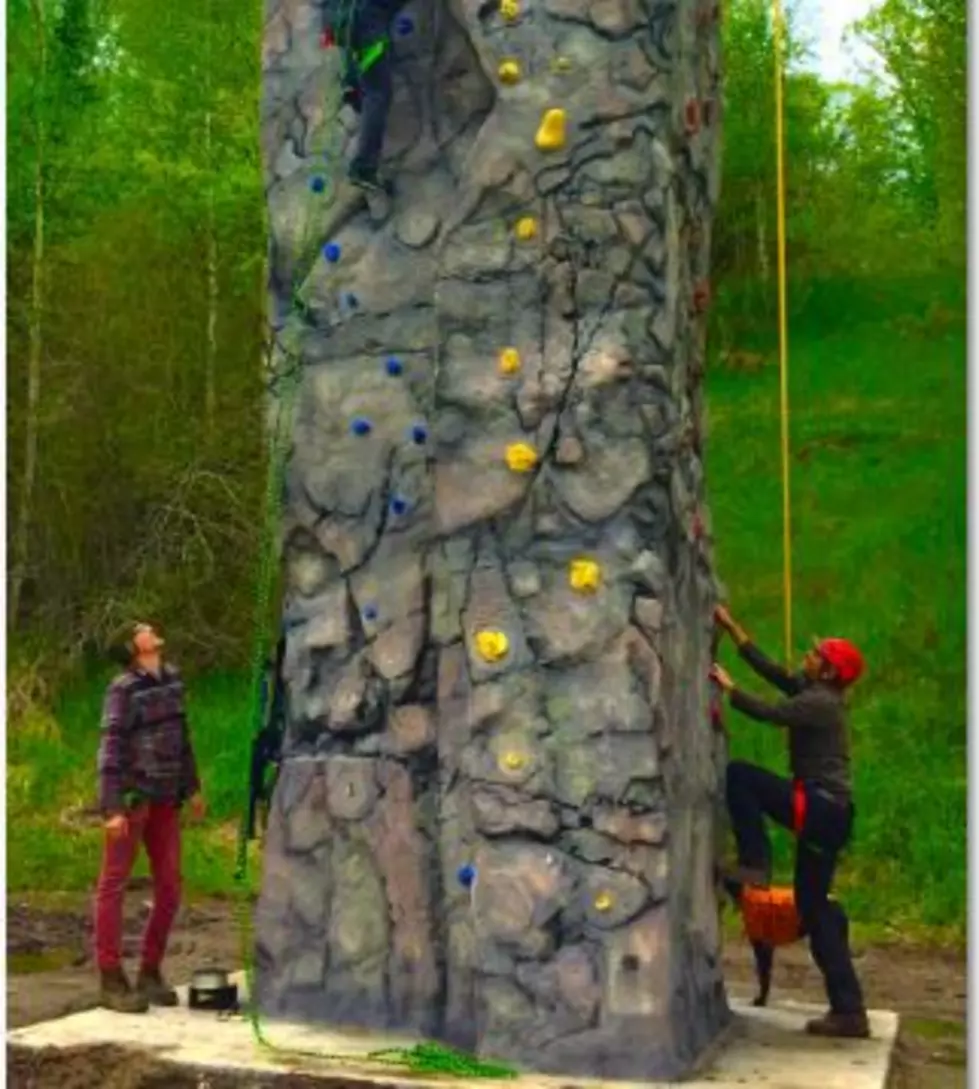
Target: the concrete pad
(764, 1048)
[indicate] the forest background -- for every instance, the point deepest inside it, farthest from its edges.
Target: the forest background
(135, 374)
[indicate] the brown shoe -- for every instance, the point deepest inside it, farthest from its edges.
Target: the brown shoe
(843, 1026)
(151, 985)
(116, 994)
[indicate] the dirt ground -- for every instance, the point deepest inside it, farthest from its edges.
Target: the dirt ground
(50, 975)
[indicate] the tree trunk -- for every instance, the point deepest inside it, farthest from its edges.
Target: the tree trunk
(211, 258)
(498, 578)
(20, 544)
(211, 335)
(761, 235)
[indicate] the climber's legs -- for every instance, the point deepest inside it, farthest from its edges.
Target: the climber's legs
(371, 27)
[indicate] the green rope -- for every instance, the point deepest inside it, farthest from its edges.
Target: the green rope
(424, 1059)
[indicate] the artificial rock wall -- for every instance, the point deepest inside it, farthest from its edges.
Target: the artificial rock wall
(496, 820)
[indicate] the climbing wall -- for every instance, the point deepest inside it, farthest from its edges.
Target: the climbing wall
(496, 819)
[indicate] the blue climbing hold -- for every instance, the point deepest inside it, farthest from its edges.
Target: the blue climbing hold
(419, 434)
(317, 184)
(404, 25)
(370, 612)
(399, 506)
(331, 251)
(351, 300)
(360, 426)
(467, 875)
(394, 366)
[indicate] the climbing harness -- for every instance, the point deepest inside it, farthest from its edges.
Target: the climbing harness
(799, 806)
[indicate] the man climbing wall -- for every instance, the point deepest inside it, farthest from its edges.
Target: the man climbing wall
(362, 30)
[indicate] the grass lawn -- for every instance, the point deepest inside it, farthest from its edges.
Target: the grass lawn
(879, 538)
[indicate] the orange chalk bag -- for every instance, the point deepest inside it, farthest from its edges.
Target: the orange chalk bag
(770, 915)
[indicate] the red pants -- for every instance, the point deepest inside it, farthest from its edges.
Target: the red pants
(157, 825)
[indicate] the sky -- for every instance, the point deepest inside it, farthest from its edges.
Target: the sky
(824, 23)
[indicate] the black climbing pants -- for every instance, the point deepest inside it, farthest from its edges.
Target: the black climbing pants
(371, 23)
(754, 794)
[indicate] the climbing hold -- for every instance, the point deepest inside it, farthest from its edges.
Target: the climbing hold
(521, 457)
(560, 64)
(466, 875)
(509, 361)
(399, 506)
(701, 297)
(492, 645)
(317, 184)
(509, 72)
(351, 300)
(697, 526)
(603, 901)
(327, 40)
(419, 434)
(552, 134)
(526, 228)
(331, 251)
(509, 10)
(394, 366)
(512, 761)
(369, 613)
(585, 576)
(404, 25)
(691, 115)
(360, 426)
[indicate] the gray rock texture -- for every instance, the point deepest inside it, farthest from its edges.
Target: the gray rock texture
(493, 663)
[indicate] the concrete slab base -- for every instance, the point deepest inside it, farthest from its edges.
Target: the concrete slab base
(764, 1048)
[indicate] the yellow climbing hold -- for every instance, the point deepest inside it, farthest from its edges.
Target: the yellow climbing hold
(603, 901)
(492, 645)
(509, 9)
(552, 135)
(513, 761)
(585, 576)
(509, 361)
(509, 71)
(526, 228)
(560, 64)
(521, 457)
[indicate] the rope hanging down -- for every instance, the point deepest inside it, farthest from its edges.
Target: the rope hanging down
(425, 1059)
(778, 41)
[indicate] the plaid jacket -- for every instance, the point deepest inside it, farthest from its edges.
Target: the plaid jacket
(145, 751)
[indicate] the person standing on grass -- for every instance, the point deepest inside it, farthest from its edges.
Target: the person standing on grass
(147, 772)
(816, 804)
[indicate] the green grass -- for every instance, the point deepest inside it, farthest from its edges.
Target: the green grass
(879, 551)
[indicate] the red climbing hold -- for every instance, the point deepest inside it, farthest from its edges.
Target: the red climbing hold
(691, 116)
(701, 297)
(697, 526)
(327, 41)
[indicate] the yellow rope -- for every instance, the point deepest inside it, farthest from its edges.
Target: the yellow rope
(778, 39)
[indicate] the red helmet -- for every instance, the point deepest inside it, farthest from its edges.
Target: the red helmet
(844, 657)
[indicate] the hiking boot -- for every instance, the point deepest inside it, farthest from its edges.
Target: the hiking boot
(843, 1026)
(369, 181)
(151, 985)
(116, 994)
